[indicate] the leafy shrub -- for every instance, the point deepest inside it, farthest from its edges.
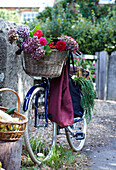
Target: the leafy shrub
(91, 38)
(66, 18)
(94, 38)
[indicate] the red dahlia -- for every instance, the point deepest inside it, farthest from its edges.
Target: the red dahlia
(52, 45)
(38, 33)
(61, 45)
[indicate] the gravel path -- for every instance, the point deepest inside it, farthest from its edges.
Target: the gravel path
(104, 157)
(100, 146)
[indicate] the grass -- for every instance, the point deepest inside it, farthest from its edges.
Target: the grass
(62, 158)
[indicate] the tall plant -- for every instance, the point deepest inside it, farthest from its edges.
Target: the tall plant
(88, 95)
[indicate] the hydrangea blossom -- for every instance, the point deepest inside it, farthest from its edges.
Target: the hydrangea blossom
(71, 44)
(33, 46)
(33, 42)
(23, 33)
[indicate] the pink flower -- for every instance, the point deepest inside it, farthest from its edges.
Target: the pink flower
(94, 74)
(77, 58)
(42, 41)
(83, 58)
(61, 45)
(93, 65)
(38, 33)
(77, 46)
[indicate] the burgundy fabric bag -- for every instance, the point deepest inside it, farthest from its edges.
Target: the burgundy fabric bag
(60, 108)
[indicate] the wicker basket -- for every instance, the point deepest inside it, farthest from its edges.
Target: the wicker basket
(18, 127)
(47, 66)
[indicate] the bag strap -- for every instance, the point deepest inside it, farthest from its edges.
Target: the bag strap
(70, 57)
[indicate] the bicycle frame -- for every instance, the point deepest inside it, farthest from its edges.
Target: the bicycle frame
(44, 84)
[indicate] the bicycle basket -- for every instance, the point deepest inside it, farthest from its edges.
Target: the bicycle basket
(47, 66)
(10, 130)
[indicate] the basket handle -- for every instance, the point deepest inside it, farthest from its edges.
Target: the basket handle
(6, 89)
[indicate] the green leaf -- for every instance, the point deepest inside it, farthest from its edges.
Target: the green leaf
(35, 29)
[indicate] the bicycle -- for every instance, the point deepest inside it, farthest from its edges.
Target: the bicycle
(40, 133)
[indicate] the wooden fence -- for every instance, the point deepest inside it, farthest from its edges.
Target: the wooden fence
(105, 68)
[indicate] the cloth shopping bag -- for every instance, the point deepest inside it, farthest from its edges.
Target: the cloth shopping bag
(60, 109)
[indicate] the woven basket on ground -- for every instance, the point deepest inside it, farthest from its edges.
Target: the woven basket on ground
(47, 66)
(12, 131)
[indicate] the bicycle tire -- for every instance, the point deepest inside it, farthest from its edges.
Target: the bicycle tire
(40, 142)
(81, 126)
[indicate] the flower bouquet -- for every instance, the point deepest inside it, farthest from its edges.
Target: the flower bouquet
(42, 56)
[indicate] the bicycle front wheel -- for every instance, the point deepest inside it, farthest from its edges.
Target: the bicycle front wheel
(40, 135)
(76, 134)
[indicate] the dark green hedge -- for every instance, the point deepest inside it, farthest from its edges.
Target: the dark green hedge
(91, 38)
(66, 18)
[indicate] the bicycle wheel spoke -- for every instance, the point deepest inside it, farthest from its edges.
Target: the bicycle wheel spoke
(76, 134)
(40, 140)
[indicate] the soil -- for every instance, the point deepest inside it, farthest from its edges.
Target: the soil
(100, 145)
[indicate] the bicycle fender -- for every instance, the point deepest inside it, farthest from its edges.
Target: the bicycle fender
(28, 96)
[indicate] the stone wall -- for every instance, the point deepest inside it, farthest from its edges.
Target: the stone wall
(11, 72)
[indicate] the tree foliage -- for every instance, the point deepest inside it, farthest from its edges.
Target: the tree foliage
(9, 15)
(93, 26)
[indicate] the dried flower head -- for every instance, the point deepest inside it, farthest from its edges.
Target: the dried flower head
(33, 46)
(23, 33)
(13, 36)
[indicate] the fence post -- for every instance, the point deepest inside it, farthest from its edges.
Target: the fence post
(102, 74)
(97, 73)
(111, 92)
